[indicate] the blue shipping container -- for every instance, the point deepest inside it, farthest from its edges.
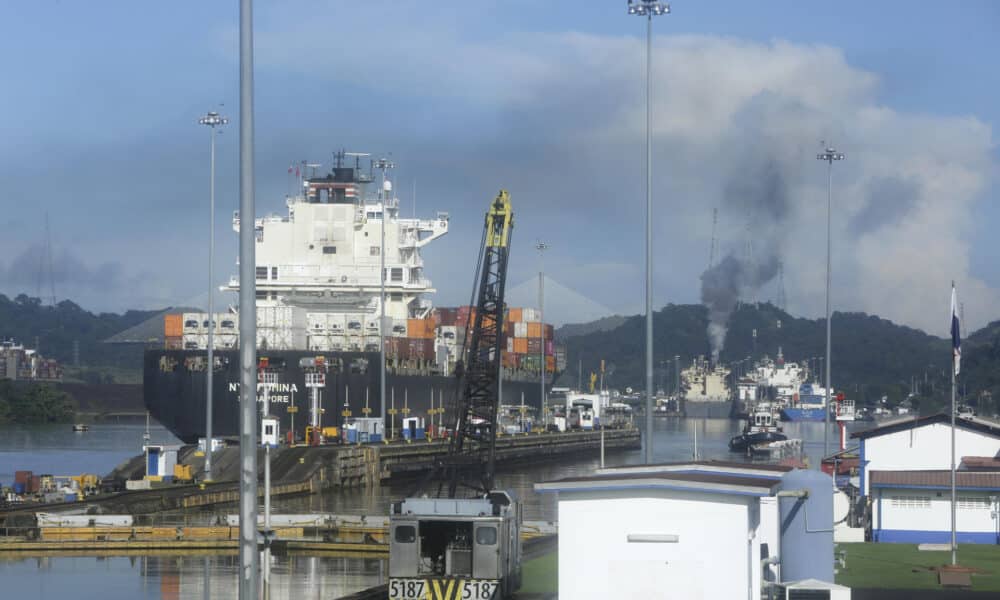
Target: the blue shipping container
(375, 437)
(70, 497)
(352, 436)
(18, 488)
(420, 433)
(364, 436)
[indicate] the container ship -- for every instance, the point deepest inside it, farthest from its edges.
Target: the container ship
(319, 326)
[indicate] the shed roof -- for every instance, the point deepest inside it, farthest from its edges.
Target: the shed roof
(970, 423)
(938, 479)
(666, 479)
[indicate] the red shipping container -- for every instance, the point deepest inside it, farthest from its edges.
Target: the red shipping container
(420, 349)
(550, 332)
(549, 347)
(393, 347)
(447, 317)
(22, 476)
(34, 484)
(534, 346)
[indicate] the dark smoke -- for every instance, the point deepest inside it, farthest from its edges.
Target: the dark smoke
(759, 191)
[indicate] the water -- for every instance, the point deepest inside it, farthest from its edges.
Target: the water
(58, 450)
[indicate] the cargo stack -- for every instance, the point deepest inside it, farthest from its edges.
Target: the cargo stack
(527, 336)
(173, 332)
(194, 327)
(17, 362)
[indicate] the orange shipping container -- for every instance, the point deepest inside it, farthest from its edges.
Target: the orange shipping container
(520, 345)
(173, 325)
(514, 315)
(550, 364)
(534, 330)
(420, 328)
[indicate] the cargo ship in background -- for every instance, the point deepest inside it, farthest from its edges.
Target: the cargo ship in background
(318, 317)
(18, 363)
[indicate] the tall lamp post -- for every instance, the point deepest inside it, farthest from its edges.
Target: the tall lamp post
(383, 165)
(829, 155)
(213, 120)
(649, 9)
(542, 247)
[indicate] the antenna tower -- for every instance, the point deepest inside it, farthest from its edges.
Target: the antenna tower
(782, 300)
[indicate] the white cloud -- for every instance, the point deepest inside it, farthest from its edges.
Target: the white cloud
(561, 115)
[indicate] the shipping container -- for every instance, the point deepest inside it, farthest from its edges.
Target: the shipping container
(510, 345)
(530, 314)
(420, 349)
(534, 329)
(173, 343)
(446, 316)
(420, 328)
(534, 346)
(173, 325)
(520, 345)
(550, 364)
(466, 316)
(520, 329)
(22, 476)
(550, 332)
(549, 347)
(514, 315)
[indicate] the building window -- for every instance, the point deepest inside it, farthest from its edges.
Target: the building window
(374, 251)
(274, 272)
(396, 297)
(329, 249)
(261, 295)
(261, 272)
(973, 503)
(911, 501)
(396, 274)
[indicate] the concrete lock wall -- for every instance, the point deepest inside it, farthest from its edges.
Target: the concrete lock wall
(597, 561)
(807, 527)
(924, 516)
(924, 448)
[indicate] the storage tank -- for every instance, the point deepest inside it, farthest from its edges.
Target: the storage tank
(806, 526)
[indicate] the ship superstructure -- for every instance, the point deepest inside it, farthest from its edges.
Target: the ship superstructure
(320, 263)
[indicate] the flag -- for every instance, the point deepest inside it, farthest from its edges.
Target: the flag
(296, 171)
(289, 169)
(956, 342)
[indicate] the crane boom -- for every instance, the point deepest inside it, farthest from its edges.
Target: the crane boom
(472, 450)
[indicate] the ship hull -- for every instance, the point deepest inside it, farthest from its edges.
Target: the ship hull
(802, 414)
(176, 395)
(708, 409)
(743, 442)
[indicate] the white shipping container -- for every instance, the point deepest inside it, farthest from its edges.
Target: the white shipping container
(521, 329)
(530, 314)
(510, 345)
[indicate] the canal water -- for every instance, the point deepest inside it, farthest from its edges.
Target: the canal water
(58, 450)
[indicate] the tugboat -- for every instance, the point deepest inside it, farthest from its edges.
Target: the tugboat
(761, 428)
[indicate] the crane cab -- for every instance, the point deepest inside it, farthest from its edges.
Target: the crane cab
(455, 548)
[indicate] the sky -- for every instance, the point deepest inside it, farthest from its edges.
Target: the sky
(100, 140)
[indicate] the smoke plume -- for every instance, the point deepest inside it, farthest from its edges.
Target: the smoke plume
(759, 188)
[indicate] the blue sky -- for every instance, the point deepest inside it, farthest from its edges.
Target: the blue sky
(102, 100)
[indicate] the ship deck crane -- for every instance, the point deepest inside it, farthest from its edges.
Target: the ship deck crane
(467, 547)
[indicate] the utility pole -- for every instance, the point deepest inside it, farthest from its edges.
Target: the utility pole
(542, 247)
(383, 165)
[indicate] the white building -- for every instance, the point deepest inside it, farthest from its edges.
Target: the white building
(915, 506)
(905, 471)
(923, 444)
(691, 530)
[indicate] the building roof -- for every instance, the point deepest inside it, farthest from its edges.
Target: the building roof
(981, 463)
(740, 480)
(982, 480)
(970, 423)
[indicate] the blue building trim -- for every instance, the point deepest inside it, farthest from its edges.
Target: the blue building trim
(625, 487)
(910, 536)
(878, 531)
(863, 464)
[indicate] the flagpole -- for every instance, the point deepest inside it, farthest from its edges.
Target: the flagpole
(955, 333)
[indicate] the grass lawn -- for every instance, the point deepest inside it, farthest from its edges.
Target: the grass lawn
(540, 575)
(902, 566)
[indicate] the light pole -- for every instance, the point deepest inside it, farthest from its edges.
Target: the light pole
(829, 155)
(649, 8)
(249, 559)
(542, 247)
(213, 120)
(384, 165)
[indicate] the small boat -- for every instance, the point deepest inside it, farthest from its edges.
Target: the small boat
(761, 428)
(81, 427)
